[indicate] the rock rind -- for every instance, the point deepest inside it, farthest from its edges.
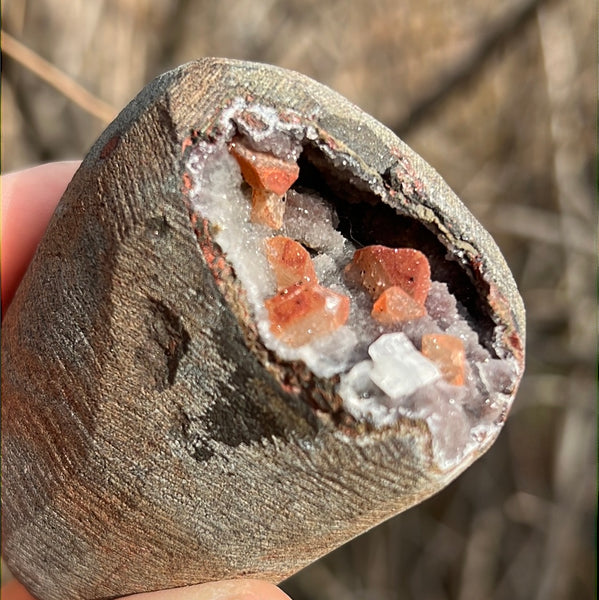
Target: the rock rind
(151, 449)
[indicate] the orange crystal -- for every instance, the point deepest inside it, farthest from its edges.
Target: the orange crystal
(448, 353)
(267, 208)
(395, 306)
(379, 267)
(263, 170)
(304, 312)
(269, 177)
(290, 261)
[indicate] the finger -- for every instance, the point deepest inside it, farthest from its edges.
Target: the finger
(29, 198)
(240, 589)
(243, 589)
(13, 590)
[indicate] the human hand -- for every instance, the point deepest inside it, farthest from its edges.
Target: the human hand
(241, 589)
(29, 198)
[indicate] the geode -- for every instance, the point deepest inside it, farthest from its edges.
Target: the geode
(258, 325)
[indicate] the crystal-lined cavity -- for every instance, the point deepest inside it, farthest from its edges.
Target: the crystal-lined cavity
(397, 342)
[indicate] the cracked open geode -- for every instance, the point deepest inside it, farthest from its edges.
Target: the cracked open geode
(258, 325)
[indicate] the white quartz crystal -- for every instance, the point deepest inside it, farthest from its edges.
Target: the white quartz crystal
(399, 369)
(219, 197)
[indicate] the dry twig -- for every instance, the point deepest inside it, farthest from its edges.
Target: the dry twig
(57, 79)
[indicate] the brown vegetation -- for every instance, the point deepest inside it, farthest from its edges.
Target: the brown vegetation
(500, 98)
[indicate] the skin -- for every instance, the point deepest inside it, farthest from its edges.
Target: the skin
(29, 198)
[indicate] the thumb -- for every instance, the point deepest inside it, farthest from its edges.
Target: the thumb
(29, 198)
(240, 589)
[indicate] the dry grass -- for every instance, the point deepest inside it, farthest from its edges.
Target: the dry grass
(500, 98)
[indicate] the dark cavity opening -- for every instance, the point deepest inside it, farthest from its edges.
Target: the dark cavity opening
(365, 219)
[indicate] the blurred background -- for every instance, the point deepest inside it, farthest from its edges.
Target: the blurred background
(501, 98)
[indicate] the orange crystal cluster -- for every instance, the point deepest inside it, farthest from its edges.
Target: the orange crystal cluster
(302, 310)
(399, 280)
(269, 177)
(378, 268)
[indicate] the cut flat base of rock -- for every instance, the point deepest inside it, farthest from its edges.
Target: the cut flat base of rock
(267, 325)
